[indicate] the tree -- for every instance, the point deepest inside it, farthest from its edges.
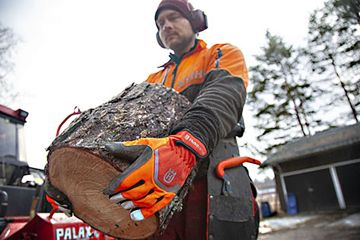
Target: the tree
(7, 42)
(334, 50)
(348, 10)
(281, 96)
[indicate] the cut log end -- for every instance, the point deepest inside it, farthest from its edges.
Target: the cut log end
(79, 167)
(82, 177)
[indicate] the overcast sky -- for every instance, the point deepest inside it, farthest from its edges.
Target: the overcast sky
(84, 52)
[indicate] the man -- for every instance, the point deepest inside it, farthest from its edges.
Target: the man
(214, 80)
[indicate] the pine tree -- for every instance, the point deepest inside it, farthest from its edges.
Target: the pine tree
(334, 49)
(281, 96)
(7, 42)
(348, 10)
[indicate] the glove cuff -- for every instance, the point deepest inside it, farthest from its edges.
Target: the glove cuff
(192, 143)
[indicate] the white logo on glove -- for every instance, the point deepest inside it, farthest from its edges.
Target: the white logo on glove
(169, 176)
(194, 144)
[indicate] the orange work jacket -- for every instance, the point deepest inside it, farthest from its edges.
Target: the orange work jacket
(192, 68)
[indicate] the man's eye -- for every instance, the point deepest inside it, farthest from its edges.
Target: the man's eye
(174, 17)
(160, 23)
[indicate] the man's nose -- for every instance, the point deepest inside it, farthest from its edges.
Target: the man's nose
(167, 25)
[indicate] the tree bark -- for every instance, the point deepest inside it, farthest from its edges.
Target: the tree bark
(79, 168)
(346, 93)
(289, 93)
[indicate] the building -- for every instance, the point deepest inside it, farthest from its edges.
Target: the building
(321, 171)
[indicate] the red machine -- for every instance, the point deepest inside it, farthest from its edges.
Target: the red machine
(24, 212)
(59, 227)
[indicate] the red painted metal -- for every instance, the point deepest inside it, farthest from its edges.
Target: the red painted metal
(233, 162)
(59, 227)
(16, 114)
(11, 228)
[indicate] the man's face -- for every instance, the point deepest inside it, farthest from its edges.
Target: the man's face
(175, 30)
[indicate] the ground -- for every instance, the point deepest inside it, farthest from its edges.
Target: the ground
(324, 226)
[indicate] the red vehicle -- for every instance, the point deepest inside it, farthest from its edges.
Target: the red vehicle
(24, 212)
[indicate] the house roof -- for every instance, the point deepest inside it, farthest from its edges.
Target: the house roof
(317, 143)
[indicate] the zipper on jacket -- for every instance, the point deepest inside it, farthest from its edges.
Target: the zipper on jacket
(174, 75)
(165, 76)
(177, 61)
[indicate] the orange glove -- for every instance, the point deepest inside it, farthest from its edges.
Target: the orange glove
(59, 202)
(160, 169)
(58, 206)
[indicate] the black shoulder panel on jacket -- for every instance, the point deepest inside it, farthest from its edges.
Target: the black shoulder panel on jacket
(216, 110)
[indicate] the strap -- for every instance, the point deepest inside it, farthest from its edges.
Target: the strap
(219, 55)
(76, 111)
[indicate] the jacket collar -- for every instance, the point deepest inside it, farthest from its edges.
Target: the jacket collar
(174, 59)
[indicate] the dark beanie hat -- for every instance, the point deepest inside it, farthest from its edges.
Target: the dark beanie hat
(182, 6)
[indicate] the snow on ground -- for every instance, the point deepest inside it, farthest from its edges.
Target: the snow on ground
(352, 220)
(278, 223)
(273, 224)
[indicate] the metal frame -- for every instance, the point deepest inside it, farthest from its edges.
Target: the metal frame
(333, 174)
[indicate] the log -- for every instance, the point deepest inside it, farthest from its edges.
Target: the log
(79, 168)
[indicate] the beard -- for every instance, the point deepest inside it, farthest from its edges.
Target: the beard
(182, 45)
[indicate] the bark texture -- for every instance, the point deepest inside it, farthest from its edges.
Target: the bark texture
(79, 168)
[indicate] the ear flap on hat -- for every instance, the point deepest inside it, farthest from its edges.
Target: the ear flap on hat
(159, 40)
(199, 21)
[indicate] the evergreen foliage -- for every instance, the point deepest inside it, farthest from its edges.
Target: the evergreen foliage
(298, 91)
(7, 42)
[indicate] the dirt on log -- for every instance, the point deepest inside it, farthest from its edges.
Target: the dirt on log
(79, 168)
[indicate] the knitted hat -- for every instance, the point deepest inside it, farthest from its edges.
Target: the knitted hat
(182, 6)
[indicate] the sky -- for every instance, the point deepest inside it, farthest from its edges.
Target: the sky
(84, 52)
